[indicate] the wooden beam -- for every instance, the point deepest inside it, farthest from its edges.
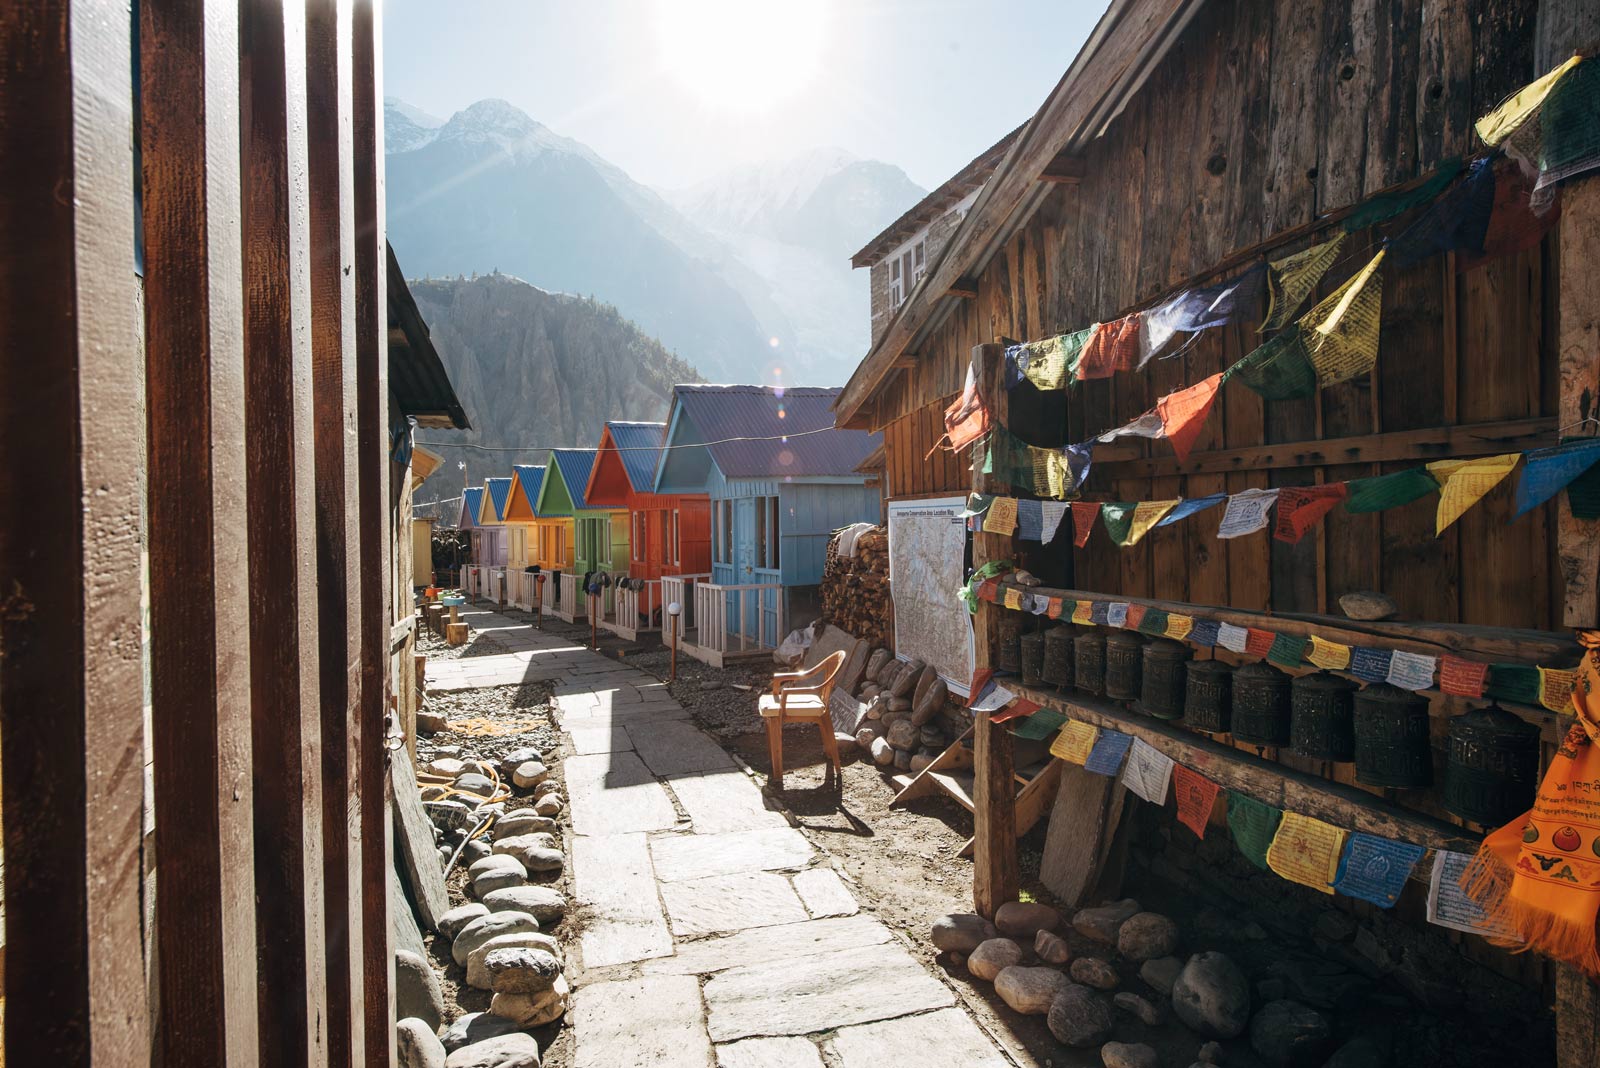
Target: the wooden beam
(204, 924)
(964, 289)
(71, 424)
(1437, 443)
(1063, 170)
(1578, 341)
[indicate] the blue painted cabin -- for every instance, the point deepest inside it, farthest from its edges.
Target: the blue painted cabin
(775, 500)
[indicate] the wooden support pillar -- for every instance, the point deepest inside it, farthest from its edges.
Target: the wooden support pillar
(72, 488)
(1578, 341)
(994, 869)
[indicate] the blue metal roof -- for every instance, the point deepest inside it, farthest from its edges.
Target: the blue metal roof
(575, 465)
(531, 478)
(639, 447)
(499, 493)
(721, 412)
(471, 501)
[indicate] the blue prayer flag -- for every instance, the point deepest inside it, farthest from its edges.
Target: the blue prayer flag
(1190, 506)
(1109, 749)
(1030, 520)
(1079, 458)
(1205, 632)
(1370, 665)
(1376, 869)
(1546, 471)
(1099, 613)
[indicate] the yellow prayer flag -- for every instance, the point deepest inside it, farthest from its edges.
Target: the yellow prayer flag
(1178, 627)
(1341, 333)
(1074, 742)
(1081, 614)
(1013, 597)
(1329, 656)
(1146, 514)
(1555, 688)
(1520, 106)
(1463, 482)
(1001, 518)
(1306, 851)
(1291, 279)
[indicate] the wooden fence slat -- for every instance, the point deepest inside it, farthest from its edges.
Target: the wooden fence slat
(286, 727)
(199, 657)
(70, 422)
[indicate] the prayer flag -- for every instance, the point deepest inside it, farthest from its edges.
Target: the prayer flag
(1258, 642)
(1001, 518)
(1555, 690)
(1279, 368)
(1514, 226)
(1462, 483)
(1183, 414)
(1083, 517)
(1301, 506)
(1194, 310)
(1341, 332)
(1449, 906)
(977, 504)
(1548, 470)
(1246, 512)
(1097, 613)
(1329, 656)
(1515, 682)
(1376, 869)
(1253, 825)
(967, 418)
(1232, 638)
(1205, 632)
(1015, 710)
(1147, 771)
(1569, 128)
(994, 699)
(1041, 725)
(1083, 613)
(1051, 511)
(1368, 664)
(1048, 364)
(1111, 347)
(1179, 627)
(1189, 506)
(1055, 608)
(1306, 851)
(1457, 220)
(1389, 491)
(1117, 614)
(1196, 795)
(1075, 742)
(1080, 458)
(1135, 616)
(1030, 521)
(1109, 749)
(1013, 597)
(1040, 604)
(990, 590)
(1388, 205)
(1520, 106)
(1118, 519)
(1291, 279)
(1410, 671)
(1462, 678)
(1287, 650)
(1154, 621)
(982, 679)
(1146, 514)
(1148, 425)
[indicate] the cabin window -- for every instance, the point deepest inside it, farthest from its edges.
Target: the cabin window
(906, 270)
(676, 554)
(724, 517)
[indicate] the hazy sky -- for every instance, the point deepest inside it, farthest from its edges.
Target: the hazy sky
(674, 91)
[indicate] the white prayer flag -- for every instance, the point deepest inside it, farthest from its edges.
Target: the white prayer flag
(1147, 772)
(1040, 605)
(1231, 637)
(1148, 425)
(1117, 614)
(1411, 671)
(1053, 511)
(1247, 512)
(994, 700)
(1448, 906)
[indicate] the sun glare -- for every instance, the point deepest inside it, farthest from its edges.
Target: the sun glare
(742, 55)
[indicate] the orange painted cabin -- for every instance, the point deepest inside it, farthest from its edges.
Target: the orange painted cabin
(668, 534)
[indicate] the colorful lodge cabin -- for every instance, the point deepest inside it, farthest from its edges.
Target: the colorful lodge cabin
(780, 480)
(594, 539)
(526, 482)
(668, 535)
(496, 537)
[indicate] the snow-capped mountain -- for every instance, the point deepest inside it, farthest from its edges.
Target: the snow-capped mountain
(406, 127)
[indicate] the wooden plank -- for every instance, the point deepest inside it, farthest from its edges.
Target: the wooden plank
(330, 178)
(372, 508)
(286, 730)
(71, 421)
(413, 833)
(1083, 821)
(198, 650)
(1579, 345)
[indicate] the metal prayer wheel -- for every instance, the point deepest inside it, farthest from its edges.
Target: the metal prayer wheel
(1124, 655)
(1057, 668)
(1089, 652)
(1321, 717)
(1208, 697)
(1260, 705)
(1162, 690)
(1009, 653)
(1032, 651)
(1392, 738)
(1493, 766)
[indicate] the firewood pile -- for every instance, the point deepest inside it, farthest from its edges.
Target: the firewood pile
(855, 587)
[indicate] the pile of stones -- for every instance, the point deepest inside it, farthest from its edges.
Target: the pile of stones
(454, 818)
(901, 726)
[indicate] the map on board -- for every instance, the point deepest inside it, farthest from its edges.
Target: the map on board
(927, 543)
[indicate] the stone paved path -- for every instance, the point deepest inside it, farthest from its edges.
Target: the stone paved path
(712, 932)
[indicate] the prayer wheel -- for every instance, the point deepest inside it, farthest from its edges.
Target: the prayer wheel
(1321, 717)
(1057, 669)
(1261, 705)
(1089, 650)
(1161, 692)
(1208, 697)
(1008, 655)
(1392, 738)
(1032, 651)
(1124, 650)
(1493, 766)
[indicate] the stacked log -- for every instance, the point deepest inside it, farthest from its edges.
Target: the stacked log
(855, 588)
(902, 723)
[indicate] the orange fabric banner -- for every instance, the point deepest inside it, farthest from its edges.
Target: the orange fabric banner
(1183, 414)
(1111, 348)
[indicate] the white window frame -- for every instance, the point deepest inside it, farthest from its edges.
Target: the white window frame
(907, 265)
(897, 292)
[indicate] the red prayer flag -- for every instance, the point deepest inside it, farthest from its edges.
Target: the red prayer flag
(1301, 506)
(1513, 227)
(1112, 347)
(989, 590)
(967, 418)
(1054, 611)
(1463, 678)
(1183, 414)
(1196, 795)
(1258, 642)
(1015, 710)
(980, 679)
(1084, 514)
(1135, 616)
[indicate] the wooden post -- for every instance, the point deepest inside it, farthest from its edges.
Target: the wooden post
(71, 420)
(994, 869)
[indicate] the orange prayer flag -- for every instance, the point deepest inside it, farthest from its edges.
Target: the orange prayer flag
(1196, 795)
(1111, 348)
(1299, 507)
(1084, 513)
(1183, 414)
(1258, 642)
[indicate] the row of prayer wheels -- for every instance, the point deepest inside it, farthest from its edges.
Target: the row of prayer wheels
(1493, 761)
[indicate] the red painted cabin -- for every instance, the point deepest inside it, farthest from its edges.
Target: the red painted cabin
(668, 534)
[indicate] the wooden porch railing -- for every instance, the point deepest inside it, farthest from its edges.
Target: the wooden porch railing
(573, 603)
(732, 619)
(680, 589)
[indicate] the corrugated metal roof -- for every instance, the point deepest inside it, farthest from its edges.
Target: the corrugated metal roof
(471, 502)
(575, 465)
(499, 494)
(530, 478)
(721, 412)
(639, 448)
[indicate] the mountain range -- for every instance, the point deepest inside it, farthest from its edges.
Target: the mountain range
(716, 272)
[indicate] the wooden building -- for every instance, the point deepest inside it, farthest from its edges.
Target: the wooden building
(1187, 143)
(496, 537)
(598, 537)
(523, 555)
(467, 520)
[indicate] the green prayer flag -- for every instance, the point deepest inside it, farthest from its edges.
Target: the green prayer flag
(1288, 650)
(1389, 491)
(1388, 205)
(1583, 492)
(1279, 369)
(1041, 725)
(1253, 825)
(1118, 518)
(1514, 682)
(1154, 622)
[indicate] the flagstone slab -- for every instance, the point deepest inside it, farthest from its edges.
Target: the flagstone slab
(770, 1053)
(824, 894)
(801, 995)
(675, 747)
(614, 793)
(652, 1022)
(587, 741)
(784, 942)
(724, 801)
(726, 903)
(696, 856)
(597, 716)
(948, 1035)
(616, 887)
